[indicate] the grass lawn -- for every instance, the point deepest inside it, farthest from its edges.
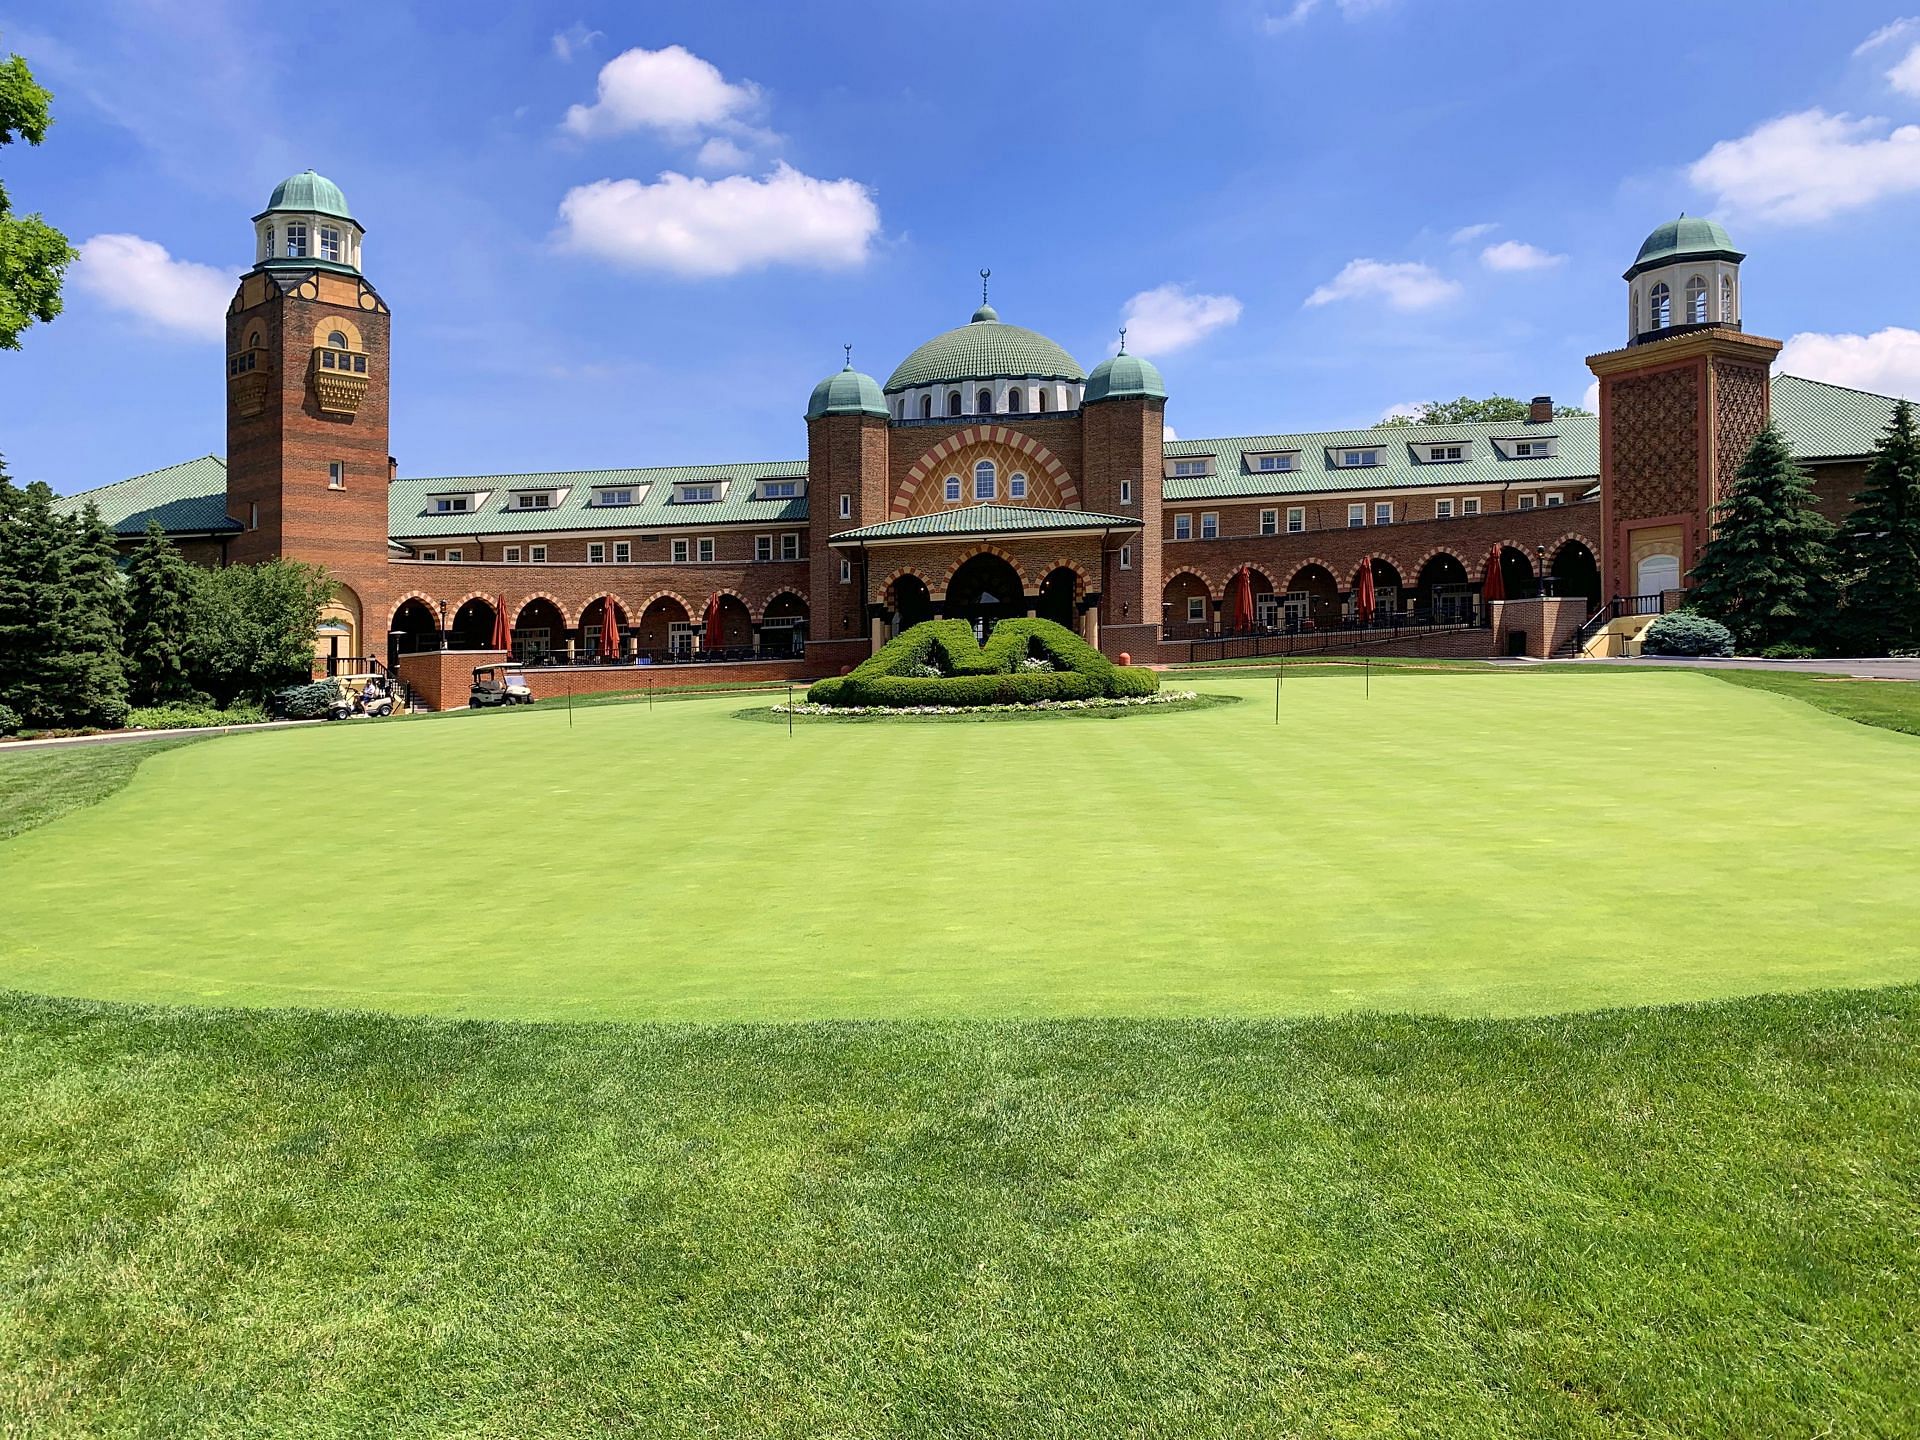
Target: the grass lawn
(1469, 844)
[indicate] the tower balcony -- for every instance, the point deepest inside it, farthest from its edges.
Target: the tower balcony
(248, 381)
(339, 379)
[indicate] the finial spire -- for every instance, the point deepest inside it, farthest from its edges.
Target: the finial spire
(1123, 339)
(985, 275)
(849, 350)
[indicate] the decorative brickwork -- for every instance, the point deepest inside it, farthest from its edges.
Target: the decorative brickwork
(1012, 452)
(1741, 403)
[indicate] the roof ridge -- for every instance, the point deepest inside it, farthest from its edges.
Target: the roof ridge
(1830, 385)
(219, 460)
(594, 470)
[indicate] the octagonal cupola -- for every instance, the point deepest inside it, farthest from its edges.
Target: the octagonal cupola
(985, 367)
(1686, 277)
(307, 226)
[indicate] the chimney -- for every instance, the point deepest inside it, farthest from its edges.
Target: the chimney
(1540, 411)
(393, 469)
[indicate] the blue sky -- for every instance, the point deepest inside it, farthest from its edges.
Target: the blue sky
(1312, 212)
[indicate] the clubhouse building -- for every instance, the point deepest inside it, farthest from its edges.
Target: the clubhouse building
(988, 475)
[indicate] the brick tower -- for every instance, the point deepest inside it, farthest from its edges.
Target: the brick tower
(846, 488)
(1123, 427)
(307, 452)
(1679, 405)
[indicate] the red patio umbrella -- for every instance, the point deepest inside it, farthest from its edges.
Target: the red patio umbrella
(609, 629)
(502, 638)
(716, 636)
(1365, 602)
(1495, 587)
(1243, 601)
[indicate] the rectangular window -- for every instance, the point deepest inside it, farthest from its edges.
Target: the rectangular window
(1443, 509)
(1209, 527)
(296, 240)
(1443, 454)
(596, 554)
(985, 482)
(699, 494)
(1296, 519)
(336, 474)
(537, 554)
(623, 552)
(846, 571)
(1383, 512)
(452, 504)
(1356, 516)
(456, 554)
(1531, 449)
(330, 244)
(953, 489)
(1126, 492)
(1276, 462)
(1126, 557)
(1526, 502)
(1556, 499)
(780, 490)
(1183, 527)
(705, 547)
(1269, 522)
(533, 500)
(511, 554)
(1359, 459)
(1196, 609)
(1189, 467)
(763, 547)
(613, 497)
(790, 545)
(679, 552)
(846, 506)
(1470, 505)
(429, 554)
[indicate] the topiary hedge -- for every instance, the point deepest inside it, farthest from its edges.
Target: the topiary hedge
(1684, 632)
(976, 674)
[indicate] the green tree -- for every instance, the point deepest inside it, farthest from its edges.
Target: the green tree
(1767, 572)
(253, 627)
(1880, 544)
(59, 621)
(159, 620)
(1495, 409)
(33, 255)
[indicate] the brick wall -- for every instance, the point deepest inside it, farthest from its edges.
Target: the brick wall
(441, 679)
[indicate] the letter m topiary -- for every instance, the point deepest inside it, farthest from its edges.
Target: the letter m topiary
(990, 674)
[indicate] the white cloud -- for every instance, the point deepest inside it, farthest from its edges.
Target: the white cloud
(1166, 432)
(671, 89)
(1467, 234)
(702, 227)
(1518, 255)
(1905, 76)
(1886, 362)
(1888, 32)
(1405, 285)
(1590, 400)
(1405, 410)
(1298, 12)
(139, 277)
(576, 39)
(1168, 318)
(720, 153)
(1809, 166)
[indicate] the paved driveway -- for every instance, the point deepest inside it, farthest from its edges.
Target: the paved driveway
(1886, 669)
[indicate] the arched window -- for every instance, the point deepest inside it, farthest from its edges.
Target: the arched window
(337, 339)
(329, 244)
(253, 341)
(953, 402)
(983, 403)
(1013, 402)
(1016, 486)
(953, 490)
(270, 242)
(1726, 300)
(1660, 307)
(984, 487)
(1041, 398)
(926, 407)
(1696, 301)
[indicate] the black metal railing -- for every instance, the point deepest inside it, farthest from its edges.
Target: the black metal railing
(1312, 638)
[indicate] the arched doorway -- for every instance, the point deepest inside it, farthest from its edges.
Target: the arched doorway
(911, 602)
(783, 627)
(1186, 607)
(1443, 591)
(1576, 573)
(593, 617)
(1057, 594)
(1516, 574)
(1388, 590)
(337, 636)
(984, 591)
(415, 628)
(539, 632)
(665, 629)
(472, 625)
(1312, 598)
(735, 626)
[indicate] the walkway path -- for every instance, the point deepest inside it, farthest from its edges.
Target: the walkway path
(1864, 669)
(115, 737)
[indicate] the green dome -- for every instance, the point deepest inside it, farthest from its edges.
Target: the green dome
(986, 349)
(847, 393)
(1691, 237)
(309, 192)
(1124, 375)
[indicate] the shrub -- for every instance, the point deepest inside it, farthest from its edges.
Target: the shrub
(9, 720)
(193, 715)
(1789, 652)
(966, 673)
(306, 702)
(1684, 633)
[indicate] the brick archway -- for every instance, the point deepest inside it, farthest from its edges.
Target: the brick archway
(1214, 592)
(1308, 564)
(1083, 582)
(569, 620)
(728, 590)
(674, 596)
(885, 588)
(1379, 558)
(425, 599)
(1026, 581)
(1570, 537)
(767, 604)
(1009, 447)
(1438, 550)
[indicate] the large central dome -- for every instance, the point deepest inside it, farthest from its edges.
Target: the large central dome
(986, 349)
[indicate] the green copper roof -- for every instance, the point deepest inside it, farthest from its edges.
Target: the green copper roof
(986, 520)
(847, 393)
(1689, 237)
(410, 515)
(985, 349)
(309, 192)
(187, 499)
(1123, 375)
(1828, 422)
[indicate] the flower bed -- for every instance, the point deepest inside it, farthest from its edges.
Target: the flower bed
(1119, 702)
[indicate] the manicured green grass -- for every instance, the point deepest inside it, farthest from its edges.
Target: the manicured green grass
(1691, 1222)
(1888, 704)
(41, 785)
(1466, 844)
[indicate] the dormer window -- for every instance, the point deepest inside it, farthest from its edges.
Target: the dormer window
(533, 500)
(1446, 454)
(1274, 464)
(1357, 459)
(779, 490)
(621, 496)
(703, 492)
(1200, 465)
(330, 244)
(1539, 448)
(296, 240)
(452, 504)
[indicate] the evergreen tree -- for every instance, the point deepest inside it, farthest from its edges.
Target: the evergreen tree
(1880, 544)
(59, 619)
(93, 663)
(159, 618)
(1766, 574)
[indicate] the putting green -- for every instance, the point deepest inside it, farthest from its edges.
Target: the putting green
(1471, 844)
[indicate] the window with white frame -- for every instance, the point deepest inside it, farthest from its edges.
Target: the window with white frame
(846, 507)
(1296, 519)
(1556, 498)
(704, 493)
(703, 547)
(1383, 512)
(1189, 467)
(1271, 463)
(846, 571)
(621, 495)
(1269, 522)
(763, 547)
(1356, 516)
(596, 553)
(456, 554)
(1126, 492)
(953, 490)
(296, 239)
(1527, 502)
(1126, 557)
(1183, 527)
(537, 554)
(452, 504)
(1445, 454)
(1359, 459)
(1210, 526)
(429, 554)
(336, 474)
(1470, 505)
(677, 552)
(1532, 449)
(986, 484)
(1196, 609)
(1017, 486)
(623, 552)
(790, 545)
(779, 489)
(533, 500)
(1443, 509)
(330, 244)
(511, 554)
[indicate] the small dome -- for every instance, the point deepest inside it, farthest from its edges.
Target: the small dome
(847, 392)
(309, 192)
(984, 313)
(985, 349)
(1124, 375)
(1691, 237)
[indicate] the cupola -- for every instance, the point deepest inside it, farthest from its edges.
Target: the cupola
(1124, 376)
(307, 226)
(847, 392)
(1686, 277)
